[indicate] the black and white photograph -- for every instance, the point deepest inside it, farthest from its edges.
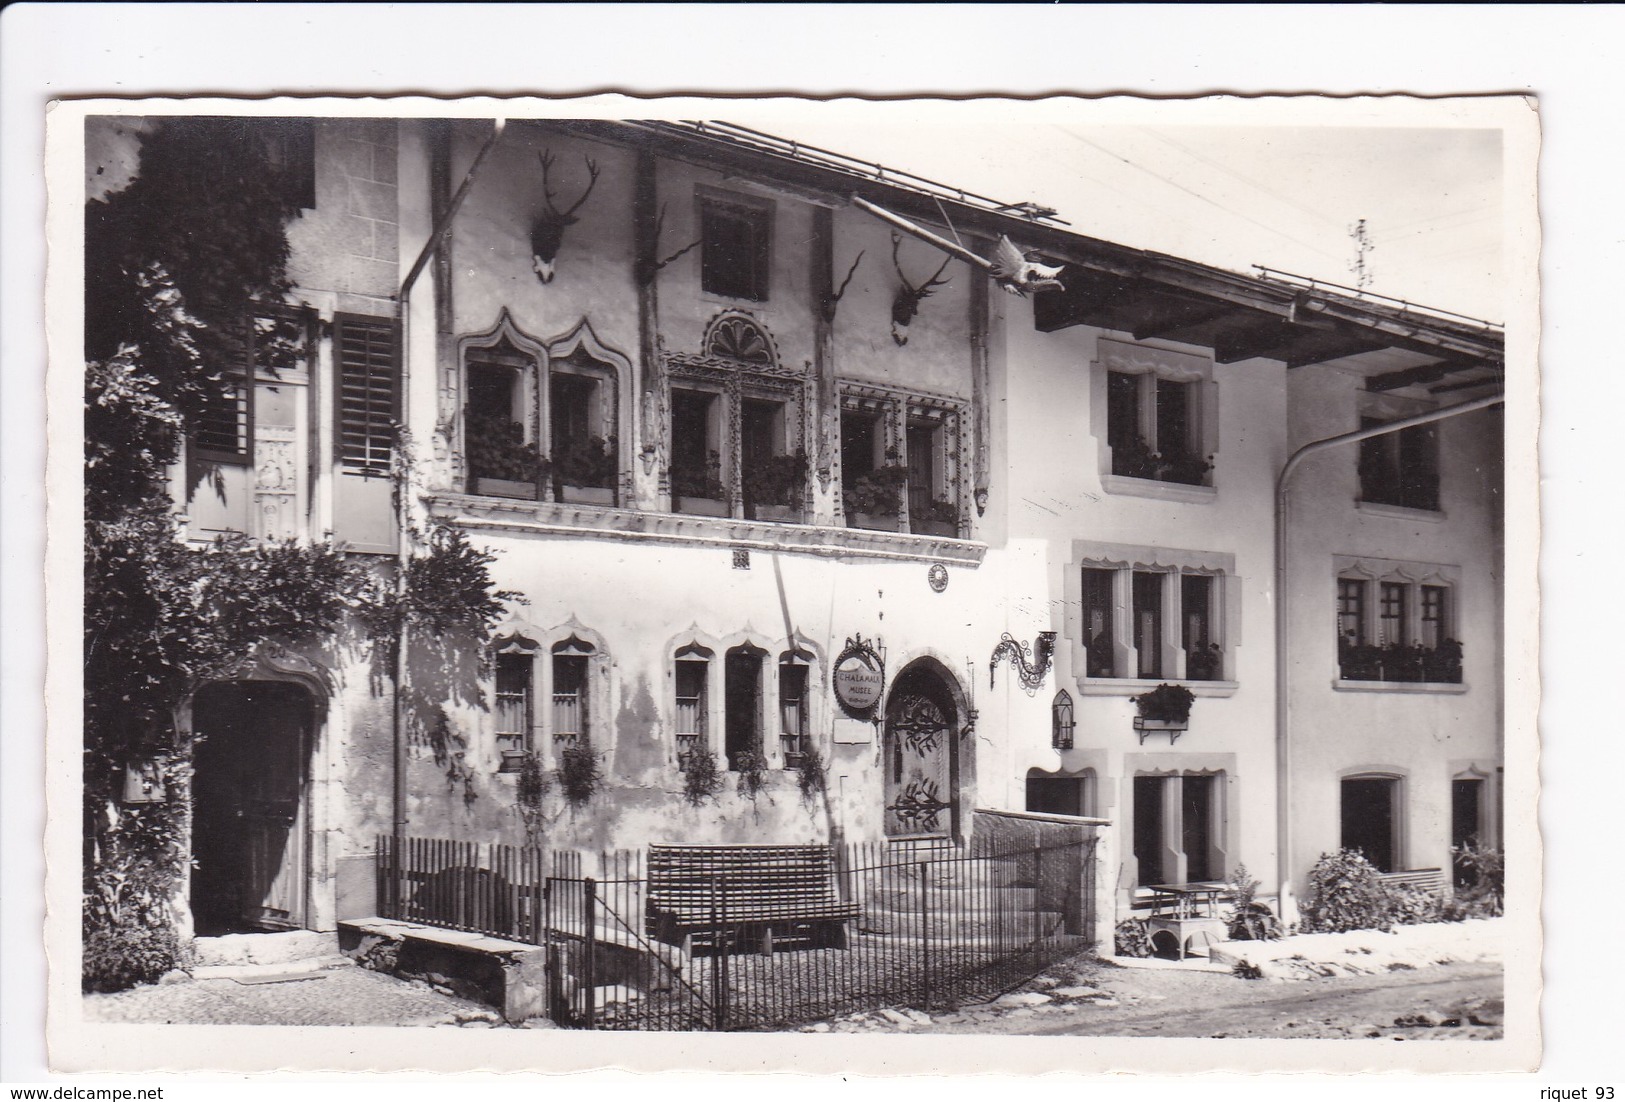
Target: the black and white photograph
(1011, 569)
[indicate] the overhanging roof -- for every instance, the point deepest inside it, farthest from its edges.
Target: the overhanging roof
(1136, 291)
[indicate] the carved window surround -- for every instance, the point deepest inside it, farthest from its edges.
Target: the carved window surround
(558, 518)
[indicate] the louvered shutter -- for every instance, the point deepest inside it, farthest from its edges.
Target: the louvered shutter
(369, 393)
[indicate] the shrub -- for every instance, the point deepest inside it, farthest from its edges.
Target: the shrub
(1345, 893)
(1132, 938)
(578, 774)
(1246, 970)
(119, 957)
(1249, 919)
(1482, 895)
(701, 780)
(811, 778)
(752, 769)
(1409, 905)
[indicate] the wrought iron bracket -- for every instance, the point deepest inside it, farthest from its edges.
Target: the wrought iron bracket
(1030, 667)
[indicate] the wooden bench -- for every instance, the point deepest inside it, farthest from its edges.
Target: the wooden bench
(766, 892)
(1431, 881)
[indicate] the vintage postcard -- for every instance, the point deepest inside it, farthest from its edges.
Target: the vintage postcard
(956, 585)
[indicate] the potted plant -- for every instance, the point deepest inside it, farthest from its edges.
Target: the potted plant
(584, 470)
(501, 462)
(1132, 457)
(773, 487)
(1165, 708)
(932, 517)
(697, 487)
(874, 499)
(1191, 470)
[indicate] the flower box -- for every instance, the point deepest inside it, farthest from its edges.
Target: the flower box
(933, 527)
(513, 761)
(878, 523)
(699, 506)
(779, 514)
(586, 495)
(504, 487)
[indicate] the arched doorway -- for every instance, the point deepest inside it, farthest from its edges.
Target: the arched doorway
(922, 754)
(249, 807)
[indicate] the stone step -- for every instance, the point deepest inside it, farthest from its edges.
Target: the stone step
(283, 947)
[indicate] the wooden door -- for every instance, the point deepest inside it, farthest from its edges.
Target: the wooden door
(248, 832)
(920, 781)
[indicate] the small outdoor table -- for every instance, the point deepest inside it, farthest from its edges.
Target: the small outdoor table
(1186, 911)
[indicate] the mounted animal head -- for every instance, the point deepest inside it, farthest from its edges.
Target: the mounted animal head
(906, 303)
(547, 231)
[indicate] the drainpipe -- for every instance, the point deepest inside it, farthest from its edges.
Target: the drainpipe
(1283, 744)
(403, 496)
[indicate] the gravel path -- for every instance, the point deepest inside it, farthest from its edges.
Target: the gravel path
(336, 994)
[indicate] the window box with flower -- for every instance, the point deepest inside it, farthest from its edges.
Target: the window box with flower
(696, 486)
(584, 470)
(773, 487)
(875, 499)
(501, 462)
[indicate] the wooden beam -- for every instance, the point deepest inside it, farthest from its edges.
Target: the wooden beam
(1494, 379)
(1188, 314)
(1325, 346)
(1421, 373)
(1248, 342)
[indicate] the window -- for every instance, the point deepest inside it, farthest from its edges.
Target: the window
(735, 418)
(1048, 794)
(793, 709)
(539, 423)
(1179, 827)
(1156, 405)
(742, 718)
(1400, 468)
(513, 708)
(1061, 721)
(696, 458)
(1097, 622)
(504, 453)
(1351, 611)
(1433, 615)
(900, 468)
(1203, 659)
(1149, 613)
(570, 696)
(735, 247)
(368, 393)
(772, 478)
(690, 674)
(1148, 624)
(1152, 429)
(1408, 635)
(582, 400)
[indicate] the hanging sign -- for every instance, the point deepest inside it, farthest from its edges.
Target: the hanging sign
(859, 678)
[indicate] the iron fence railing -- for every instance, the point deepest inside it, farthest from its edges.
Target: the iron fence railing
(921, 924)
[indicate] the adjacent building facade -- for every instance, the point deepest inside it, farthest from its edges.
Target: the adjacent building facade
(791, 491)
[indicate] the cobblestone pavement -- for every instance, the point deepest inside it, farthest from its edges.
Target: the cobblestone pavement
(336, 994)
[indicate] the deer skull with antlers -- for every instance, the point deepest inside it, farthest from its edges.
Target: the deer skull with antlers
(547, 231)
(906, 303)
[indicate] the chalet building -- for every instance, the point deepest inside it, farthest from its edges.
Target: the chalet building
(785, 485)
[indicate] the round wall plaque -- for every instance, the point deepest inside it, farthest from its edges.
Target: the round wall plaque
(859, 678)
(938, 577)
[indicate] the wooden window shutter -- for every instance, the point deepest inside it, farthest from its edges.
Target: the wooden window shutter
(368, 392)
